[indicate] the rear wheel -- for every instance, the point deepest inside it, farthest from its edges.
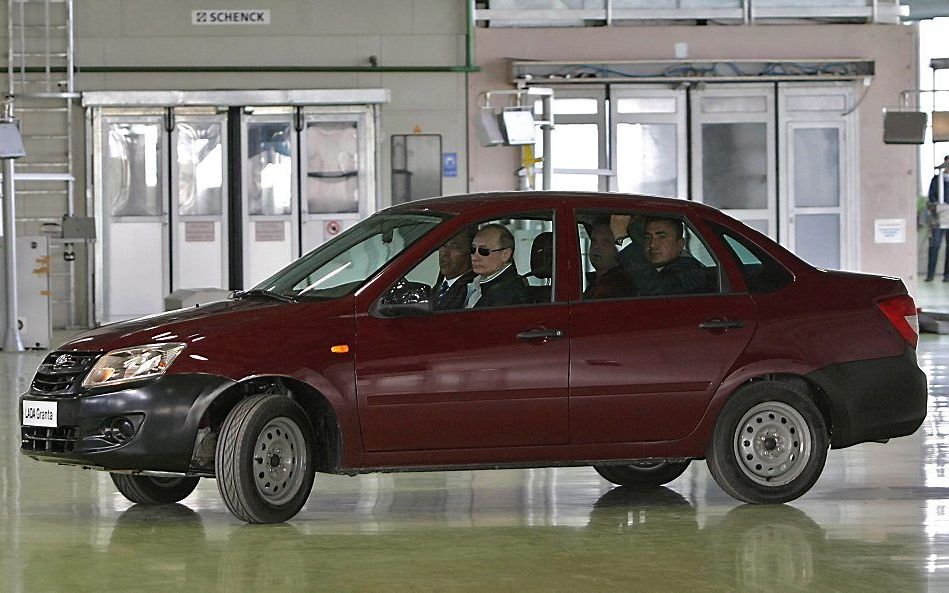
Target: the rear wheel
(264, 459)
(769, 444)
(643, 474)
(154, 489)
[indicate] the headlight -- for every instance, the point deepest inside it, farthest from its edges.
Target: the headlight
(129, 364)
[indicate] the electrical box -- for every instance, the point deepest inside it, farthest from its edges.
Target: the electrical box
(33, 294)
(904, 127)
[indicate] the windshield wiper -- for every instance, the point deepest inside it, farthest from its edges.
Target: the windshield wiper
(259, 292)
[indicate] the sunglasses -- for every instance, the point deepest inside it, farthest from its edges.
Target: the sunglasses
(484, 251)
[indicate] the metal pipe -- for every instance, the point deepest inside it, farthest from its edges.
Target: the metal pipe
(229, 69)
(11, 336)
(469, 37)
(546, 130)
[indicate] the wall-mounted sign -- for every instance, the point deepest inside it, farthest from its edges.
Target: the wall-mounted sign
(199, 231)
(230, 17)
(889, 230)
(449, 164)
(269, 230)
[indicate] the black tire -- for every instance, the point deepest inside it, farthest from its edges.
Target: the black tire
(264, 459)
(154, 489)
(643, 474)
(769, 444)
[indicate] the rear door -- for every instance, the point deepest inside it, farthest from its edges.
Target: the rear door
(644, 367)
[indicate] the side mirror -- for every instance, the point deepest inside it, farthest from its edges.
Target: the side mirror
(405, 299)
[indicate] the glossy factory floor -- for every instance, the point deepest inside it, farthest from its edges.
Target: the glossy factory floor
(877, 520)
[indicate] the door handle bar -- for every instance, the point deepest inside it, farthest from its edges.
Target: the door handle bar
(540, 334)
(722, 324)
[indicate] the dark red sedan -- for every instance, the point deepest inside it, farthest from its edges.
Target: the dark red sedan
(502, 330)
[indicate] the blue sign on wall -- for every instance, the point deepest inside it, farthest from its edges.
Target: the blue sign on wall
(449, 164)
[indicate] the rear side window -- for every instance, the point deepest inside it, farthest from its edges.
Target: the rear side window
(761, 272)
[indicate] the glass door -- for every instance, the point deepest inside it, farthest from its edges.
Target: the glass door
(649, 151)
(580, 155)
(733, 154)
(268, 206)
(132, 201)
(337, 171)
(818, 183)
(199, 208)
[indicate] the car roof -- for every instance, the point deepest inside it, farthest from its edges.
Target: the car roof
(459, 203)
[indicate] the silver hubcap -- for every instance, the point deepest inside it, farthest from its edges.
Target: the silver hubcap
(772, 443)
(279, 460)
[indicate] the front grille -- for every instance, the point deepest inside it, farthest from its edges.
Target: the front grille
(61, 439)
(62, 372)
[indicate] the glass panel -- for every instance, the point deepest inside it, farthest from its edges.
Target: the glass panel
(816, 103)
(646, 159)
(817, 239)
(576, 146)
(646, 105)
(575, 106)
(735, 165)
(332, 167)
(130, 169)
(816, 167)
(572, 182)
(200, 168)
(734, 104)
(269, 168)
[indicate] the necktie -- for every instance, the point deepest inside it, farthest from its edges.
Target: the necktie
(443, 291)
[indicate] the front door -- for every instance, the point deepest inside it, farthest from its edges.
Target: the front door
(470, 378)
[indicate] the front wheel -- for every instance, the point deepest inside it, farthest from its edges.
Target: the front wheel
(264, 459)
(769, 444)
(643, 474)
(154, 489)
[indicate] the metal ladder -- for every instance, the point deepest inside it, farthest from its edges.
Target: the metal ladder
(40, 78)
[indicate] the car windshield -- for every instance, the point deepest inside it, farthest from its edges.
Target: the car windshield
(340, 266)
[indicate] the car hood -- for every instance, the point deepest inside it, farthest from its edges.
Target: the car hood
(181, 325)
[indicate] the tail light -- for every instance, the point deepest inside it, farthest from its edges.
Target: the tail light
(900, 311)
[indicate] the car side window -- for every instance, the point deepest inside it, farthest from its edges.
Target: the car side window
(492, 263)
(761, 272)
(634, 254)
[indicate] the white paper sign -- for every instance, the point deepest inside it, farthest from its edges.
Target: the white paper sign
(889, 230)
(230, 17)
(36, 413)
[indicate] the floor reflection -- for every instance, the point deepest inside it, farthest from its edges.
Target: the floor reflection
(877, 520)
(631, 540)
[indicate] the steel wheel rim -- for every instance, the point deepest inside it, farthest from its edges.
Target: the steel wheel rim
(279, 460)
(772, 444)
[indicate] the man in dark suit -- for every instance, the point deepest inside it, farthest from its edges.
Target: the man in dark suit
(497, 282)
(454, 267)
(669, 270)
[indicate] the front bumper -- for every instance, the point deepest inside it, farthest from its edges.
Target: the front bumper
(165, 412)
(874, 400)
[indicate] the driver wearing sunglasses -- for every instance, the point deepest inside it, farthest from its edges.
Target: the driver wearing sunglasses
(492, 258)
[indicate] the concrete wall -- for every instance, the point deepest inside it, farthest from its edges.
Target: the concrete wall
(887, 187)
(157, 37)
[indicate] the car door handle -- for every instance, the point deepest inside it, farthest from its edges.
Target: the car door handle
(540, 334)
(722, 324)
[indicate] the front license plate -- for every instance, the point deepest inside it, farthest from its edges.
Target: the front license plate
(39, 413)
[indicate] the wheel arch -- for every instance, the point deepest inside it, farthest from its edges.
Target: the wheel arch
(792, 372)
(318, 408)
